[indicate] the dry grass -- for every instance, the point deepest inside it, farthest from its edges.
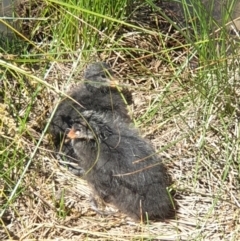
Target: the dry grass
(199, 147)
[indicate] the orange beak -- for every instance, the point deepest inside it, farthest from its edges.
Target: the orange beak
(71, 134)
(114, 83)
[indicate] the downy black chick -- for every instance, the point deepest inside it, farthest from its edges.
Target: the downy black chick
(98, 93)
(121, 166)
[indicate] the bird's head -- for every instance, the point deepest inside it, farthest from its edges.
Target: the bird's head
(92, 127)
(99, 76)
(80, 130)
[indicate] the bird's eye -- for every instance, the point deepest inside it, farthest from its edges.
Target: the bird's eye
(78, 128)
(78, 132)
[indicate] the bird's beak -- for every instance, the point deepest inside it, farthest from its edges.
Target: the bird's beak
(71, 134)
(114, 83)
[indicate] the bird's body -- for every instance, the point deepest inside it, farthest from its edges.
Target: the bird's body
(95, 94)
(121, 166)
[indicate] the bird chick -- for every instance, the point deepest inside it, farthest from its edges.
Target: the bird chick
(99, 93)
(121, 166)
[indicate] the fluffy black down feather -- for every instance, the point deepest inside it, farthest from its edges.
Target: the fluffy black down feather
(95, 94)
(121, 166)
